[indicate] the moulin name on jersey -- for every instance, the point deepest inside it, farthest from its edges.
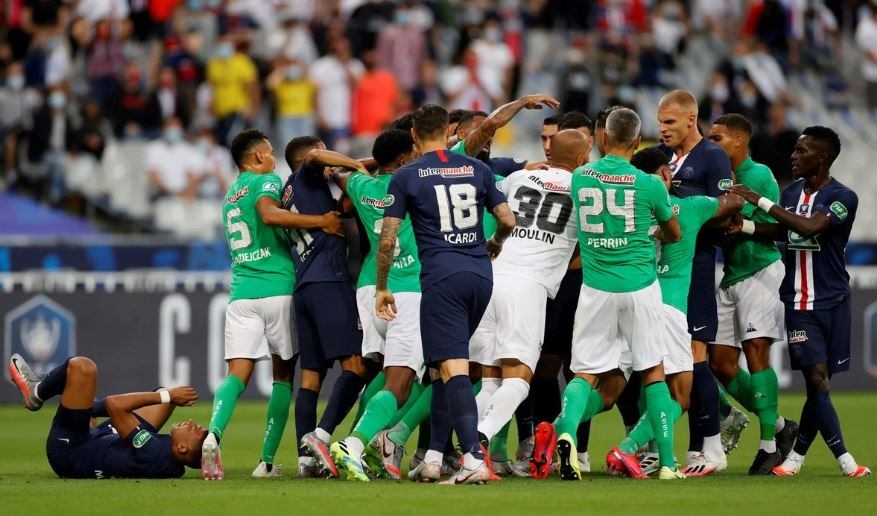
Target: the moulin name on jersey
(613, 179)
(538, 233)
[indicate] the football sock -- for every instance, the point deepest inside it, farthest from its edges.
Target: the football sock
(524, 418)
(344, 395)
(847, 463)
(704, 406)
(574, 403)
(807, 428)
(305, 412)
(464, 413)
(643, 432)
(546, 399)
(724, 402)
(499, 449)
(439, 419)
(371, 389)
(502, 406)
(378, 412)
(484, 396)
(740, 388)
(829, 424)
(224, 401)
(628, 401)
(712, 446)
(53, 384)
(99, 408)
(416, 414)
(433, 456)
(765, 398)
(278, 414)
(659, 405)
(583, 435)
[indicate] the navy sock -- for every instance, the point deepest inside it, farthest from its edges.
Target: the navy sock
(464, 413)
(344, 396)
(628, 401)
(807, 428)
(524, 419)
(439, 419)
(829, 424)
(53, 383)
(546, 400)
(99, 408)
(705, 391)
(305, 413)
(583, 435)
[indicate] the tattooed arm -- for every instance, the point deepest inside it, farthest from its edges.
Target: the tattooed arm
(385, 304)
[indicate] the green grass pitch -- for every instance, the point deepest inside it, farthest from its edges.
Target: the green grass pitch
(28, 486)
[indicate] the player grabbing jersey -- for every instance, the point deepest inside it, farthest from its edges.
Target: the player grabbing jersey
(750, 310)
(534, 260)
(259, 310)
(445, 194)
(814, 218)
(619, 316)
(129, 444)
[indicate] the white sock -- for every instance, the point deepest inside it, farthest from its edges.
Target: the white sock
(36, 391)
(434, 456)
(488, 387)
(768, 446)
(304, 460)
(847, 463)
(781, 423)
(470, 462)
(322, 435)
(354, 446)
(793, 461)
(502, 406)
(712, 446)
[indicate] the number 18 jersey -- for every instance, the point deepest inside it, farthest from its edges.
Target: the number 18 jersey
(260, 262)
(545, 235)
(614, 203)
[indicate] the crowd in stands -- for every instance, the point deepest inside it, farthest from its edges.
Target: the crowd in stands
(183, 76)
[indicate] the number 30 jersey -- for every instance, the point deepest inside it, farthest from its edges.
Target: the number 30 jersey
(614, 203)
(260, 261)
(545, 235)
(445, 194)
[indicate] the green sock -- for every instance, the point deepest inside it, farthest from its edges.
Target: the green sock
(740, 387)
(499, 445)
(418, 413)
(371, 389)
(660, 409)
(644, 432)
(416, 391)
(224, 401)
(595, 406)
(380, 409)
(765, 398)
(278, 414)
(724, 402)
(574, 403)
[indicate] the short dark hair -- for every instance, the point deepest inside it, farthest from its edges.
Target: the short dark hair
(455, 115)
(600, 123)
(391, 144)
(623, 126)
(649, 160)
(551, 120)
(574, 120)
(431, 121)
(468, 117)
(404, 122)
(297, 144)
(243, 142)
(735, 122)
(827, 137)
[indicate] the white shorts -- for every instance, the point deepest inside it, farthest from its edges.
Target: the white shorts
(608, 324)
(513, 324)
(677, 342)
(752, 308)
(397, 340)
(258, 328)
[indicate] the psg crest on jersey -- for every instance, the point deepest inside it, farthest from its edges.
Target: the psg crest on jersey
(42, 331)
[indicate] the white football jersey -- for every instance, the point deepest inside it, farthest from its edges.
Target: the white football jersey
(545, 237)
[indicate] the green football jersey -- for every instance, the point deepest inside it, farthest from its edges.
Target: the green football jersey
(368, 195)
(488, 221)
(260, 262)
(674, 261)
(744, 257)
(614, 203)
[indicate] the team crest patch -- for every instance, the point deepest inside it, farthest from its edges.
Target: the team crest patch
(797, 336)
(839, 210)
(725, 184)
(675, 209)
(271, 187)
(688, 172)
(287, 194)
(42, 331)
(142, 437)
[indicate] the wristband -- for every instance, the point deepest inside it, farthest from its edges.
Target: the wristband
(765, 204)
(165, 396)
(748, 227)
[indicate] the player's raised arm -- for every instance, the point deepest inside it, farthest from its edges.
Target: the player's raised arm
(327, 158)
(121, 406)
(502, 116)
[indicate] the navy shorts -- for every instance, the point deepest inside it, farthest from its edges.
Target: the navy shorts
(820, 336)
(450, 311)
(560, 315)
(703, 314)
(328, 324)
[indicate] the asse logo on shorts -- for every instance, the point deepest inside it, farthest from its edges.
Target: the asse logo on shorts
(141, 438)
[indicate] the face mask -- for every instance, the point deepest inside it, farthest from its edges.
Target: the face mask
(401, 17)
(493, 34)
(224, 50)
(57, 99)
(195, 5)
(719, 92)
(294, 72)
(15, 82)
(173, 135)
(203, 145)
(53, 44)
(748, 100)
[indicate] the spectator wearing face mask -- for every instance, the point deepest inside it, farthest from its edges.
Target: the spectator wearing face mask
(15, 117)
(173, 164)
(717, 102)
(295, 99)
(217, 167)
(104, 56)
(130, 110)
(402, 49)
(494, 61)
(236, 93)
(49, 139)
(336, 76)
(167, 100)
